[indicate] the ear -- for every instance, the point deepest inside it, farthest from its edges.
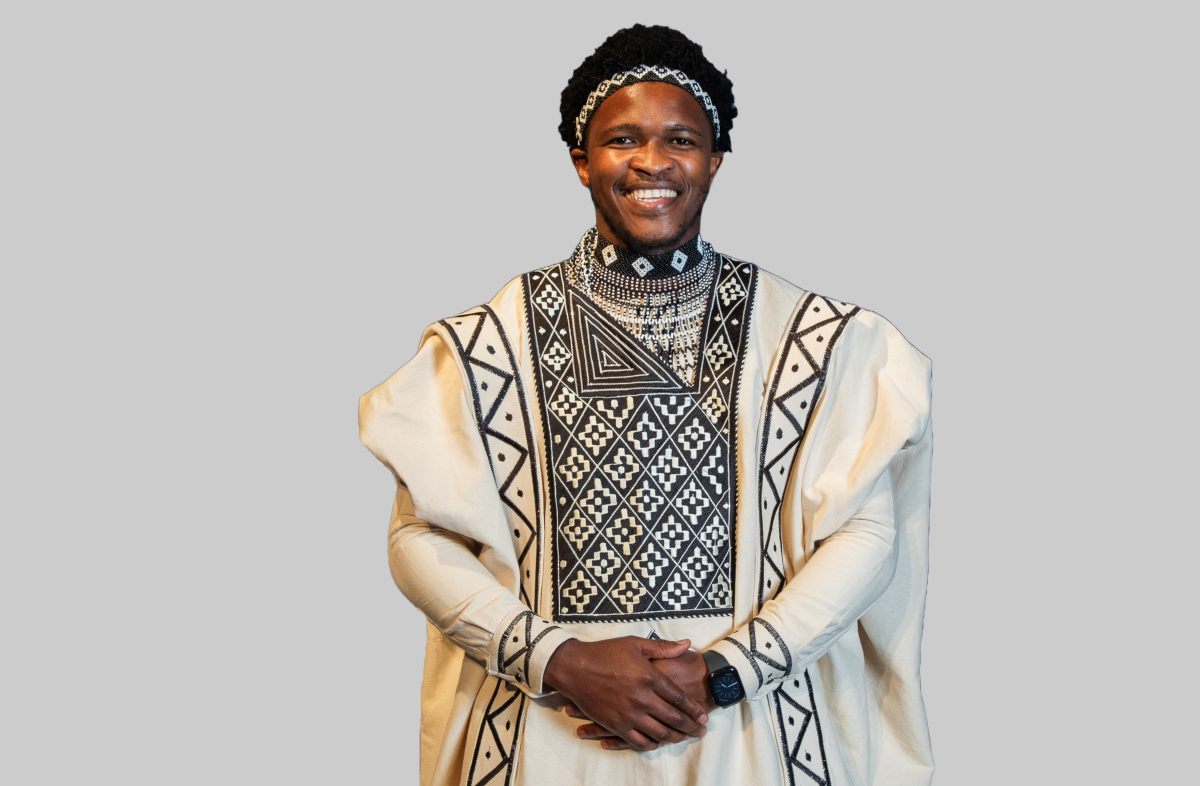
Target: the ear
(714, 163)
(580, 160)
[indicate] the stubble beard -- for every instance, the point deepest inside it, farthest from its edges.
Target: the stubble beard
(622, 232)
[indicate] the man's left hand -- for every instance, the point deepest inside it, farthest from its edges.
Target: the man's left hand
(688, 671)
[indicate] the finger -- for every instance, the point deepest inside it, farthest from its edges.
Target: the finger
(673, 695)
(660, 734)
(572, 711)
(636, 739)
(616, 744)
(658, 649)
(678, 721)
(591, 731)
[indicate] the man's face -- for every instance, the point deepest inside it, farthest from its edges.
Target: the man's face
(649, 162)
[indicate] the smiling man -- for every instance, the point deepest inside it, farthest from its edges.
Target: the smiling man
(666, 513)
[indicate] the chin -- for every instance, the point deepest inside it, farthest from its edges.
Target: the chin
(642, 237)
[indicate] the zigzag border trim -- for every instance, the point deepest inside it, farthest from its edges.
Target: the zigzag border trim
(805, 374)
(524, 468)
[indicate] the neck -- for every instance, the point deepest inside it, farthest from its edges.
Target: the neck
(622, 239)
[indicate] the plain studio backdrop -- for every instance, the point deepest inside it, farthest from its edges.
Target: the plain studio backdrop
(221, 223)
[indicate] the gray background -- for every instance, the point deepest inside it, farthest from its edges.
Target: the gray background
(223, 222)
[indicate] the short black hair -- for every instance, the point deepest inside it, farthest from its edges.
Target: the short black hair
(653, 46)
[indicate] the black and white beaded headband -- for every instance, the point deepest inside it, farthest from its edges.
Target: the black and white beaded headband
(645, 73)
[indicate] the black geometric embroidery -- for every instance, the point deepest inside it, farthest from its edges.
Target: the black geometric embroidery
(799, 378)
(503, 421)
(611, 361)
(496, 742)
(641, 471)
(796, 717)
(766, 647)
(796, 386)
(518, 643)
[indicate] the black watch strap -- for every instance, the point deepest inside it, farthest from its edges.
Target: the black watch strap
(714, 660)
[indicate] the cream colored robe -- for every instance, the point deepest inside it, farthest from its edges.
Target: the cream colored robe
(817, 598)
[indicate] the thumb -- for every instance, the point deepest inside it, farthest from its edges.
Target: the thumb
(658, 649)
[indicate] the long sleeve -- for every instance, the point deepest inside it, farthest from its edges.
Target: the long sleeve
(447, 544)
(839, 518)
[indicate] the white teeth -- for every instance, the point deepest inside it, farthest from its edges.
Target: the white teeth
(652, 193)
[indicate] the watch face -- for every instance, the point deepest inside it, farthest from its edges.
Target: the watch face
(726, 686)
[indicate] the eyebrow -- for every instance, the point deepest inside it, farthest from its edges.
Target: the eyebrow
(633, 128)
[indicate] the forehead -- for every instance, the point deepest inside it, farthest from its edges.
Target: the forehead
(651, 104)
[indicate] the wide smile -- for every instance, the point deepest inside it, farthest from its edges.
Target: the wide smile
(651, 197)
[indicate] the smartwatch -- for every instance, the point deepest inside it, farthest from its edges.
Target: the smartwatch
(724, 682)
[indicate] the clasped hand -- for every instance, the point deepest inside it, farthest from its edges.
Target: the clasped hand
(638, 693)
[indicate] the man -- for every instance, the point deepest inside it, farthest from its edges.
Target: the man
(666, 514)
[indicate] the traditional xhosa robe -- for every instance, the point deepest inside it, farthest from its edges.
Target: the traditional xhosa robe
(760, 488)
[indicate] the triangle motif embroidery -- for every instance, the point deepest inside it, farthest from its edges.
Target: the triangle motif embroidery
(609, 361)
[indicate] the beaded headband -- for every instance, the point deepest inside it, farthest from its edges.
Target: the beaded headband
(645, 73)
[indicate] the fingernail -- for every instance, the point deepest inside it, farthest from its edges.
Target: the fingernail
(604, 744)
(704, 719)
(579, 732)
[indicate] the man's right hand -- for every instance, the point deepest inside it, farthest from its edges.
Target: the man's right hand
(614, 684)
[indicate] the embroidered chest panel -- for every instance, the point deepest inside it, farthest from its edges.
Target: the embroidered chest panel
(641, 467)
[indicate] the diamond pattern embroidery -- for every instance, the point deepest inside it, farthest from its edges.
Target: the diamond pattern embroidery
(718, 353)
(579, 592)
(618, 413)
(628, 592)
(578, 530)
(694, 438)
(650, 564)
(673, 535)
(643, 486)
(625, 531)
(549, 300)
(692, 503)
(567, 405)
(595, 435)
(575, 467)
(666, 469)
(598, 501)
(557, 357)
(731, 290)
(719, 594)
(713, 535)
(697, 566)
(646, 500)
(645, 436)
(623, 468)
(677, 592)
(713, 406)
(603, 563)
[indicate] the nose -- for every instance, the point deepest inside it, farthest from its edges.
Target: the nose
(652, 159)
